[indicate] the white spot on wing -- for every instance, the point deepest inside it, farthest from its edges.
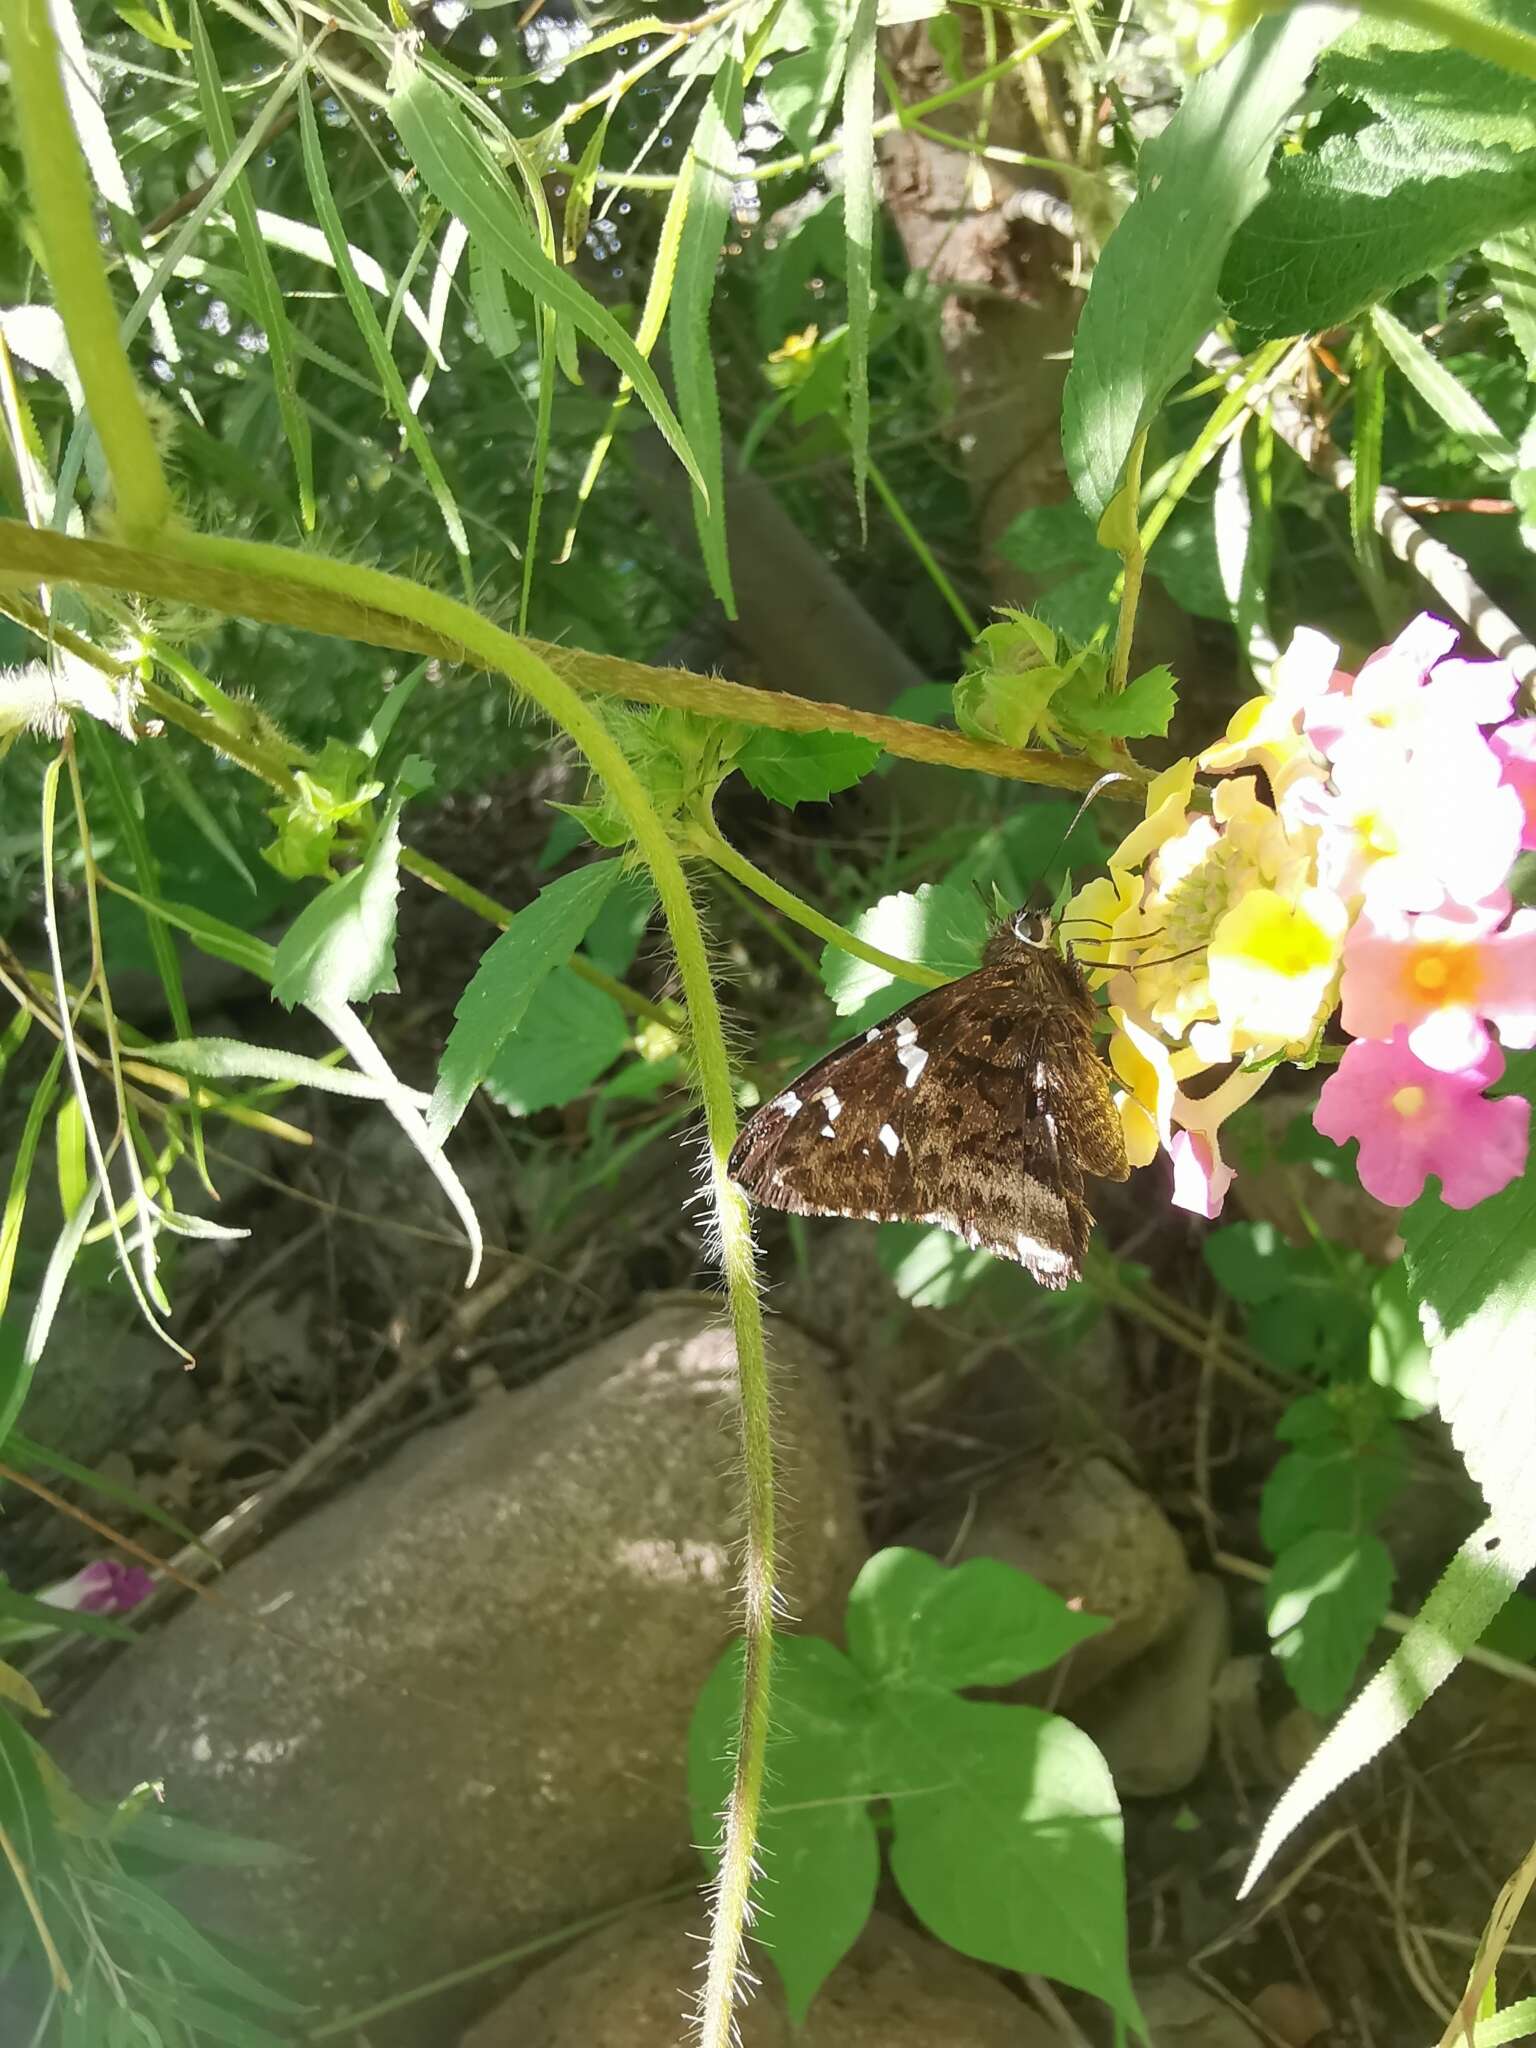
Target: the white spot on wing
(906, 1032)
(913, 1060)
(872, 1034)
(828, 1098)
(1045, 1256)
(790, 1103)
(827, 1131)
(889, 1139)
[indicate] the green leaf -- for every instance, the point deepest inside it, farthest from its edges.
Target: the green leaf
(1325, 1600)
(1476, 1584)
(940, 927)
(512, 971)
(259, 274)
(341, 946)
(1049, 537)
(708, 166)
(1338, 1484)
(1399, 1360)
(915, 1622)
(1252, 1261)
(1474, 1274)
(929, 1267)
(1511, 260)
(1448, 160)
(817, 1846)
(459, 171)
(366, 320)
(1007, 1840)
(1444, 392)
(24, 1451)
(1154, 292)
(801, 89)
(861, 223)
(572, 1035)
(1141, 710)
(805, 767)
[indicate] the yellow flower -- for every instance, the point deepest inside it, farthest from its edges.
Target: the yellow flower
(1193, 880)
(1145, 1101)
(1101, 912)
(1273, 968)
(1167, 809)
(794, 346)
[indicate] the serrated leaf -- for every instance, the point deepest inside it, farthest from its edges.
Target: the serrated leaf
(805, 767)
(817, 1845)
(1043, 1892)
(572, 1035)
(1449, 161)
(939, 927)
(914, 1621)
(1340, 1486)
(1141, 710)
(1154, 292)
(1325, 1600)
(341, 946)
(511, 973)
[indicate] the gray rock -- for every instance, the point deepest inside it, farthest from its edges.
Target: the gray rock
(1154, 1723)
(1092, 1535)
(1180, 2014)
(632, 1985)
(460, 1692)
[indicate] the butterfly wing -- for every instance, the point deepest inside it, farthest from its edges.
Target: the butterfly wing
(976, 1109)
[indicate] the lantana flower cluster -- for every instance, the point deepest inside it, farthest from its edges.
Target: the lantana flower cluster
(1356, 857)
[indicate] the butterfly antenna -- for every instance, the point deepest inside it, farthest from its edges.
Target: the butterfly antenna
(1114, 775)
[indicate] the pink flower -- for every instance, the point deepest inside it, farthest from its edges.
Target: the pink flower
(1441, 975)
(1514, 748)
(1384, 691)
(102, 1587)
(1413, 1121)
(1410, 695)
(1406, 831)
(1201, 1176)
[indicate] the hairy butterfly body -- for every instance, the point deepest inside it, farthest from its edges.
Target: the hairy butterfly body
(979, 1108)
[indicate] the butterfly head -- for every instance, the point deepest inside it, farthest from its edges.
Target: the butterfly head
(1031, 928)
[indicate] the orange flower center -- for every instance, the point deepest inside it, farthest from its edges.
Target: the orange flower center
(1444, 972)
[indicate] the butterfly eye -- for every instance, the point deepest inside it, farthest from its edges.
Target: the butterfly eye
(1031, 927)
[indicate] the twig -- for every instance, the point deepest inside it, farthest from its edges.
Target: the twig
(1445, 573)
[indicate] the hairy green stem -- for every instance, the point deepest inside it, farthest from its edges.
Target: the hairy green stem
(61, 205)
(706, 840)
(502, 652)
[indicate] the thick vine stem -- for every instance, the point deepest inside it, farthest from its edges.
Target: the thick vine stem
(28, 554)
